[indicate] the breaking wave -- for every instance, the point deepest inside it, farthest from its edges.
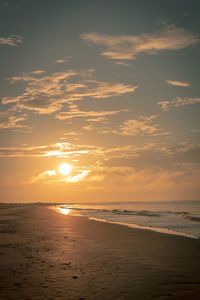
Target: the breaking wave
(146, 213)
(181, 222)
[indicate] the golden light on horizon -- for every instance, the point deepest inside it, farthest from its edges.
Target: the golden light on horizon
(64, 210)
(65, 168)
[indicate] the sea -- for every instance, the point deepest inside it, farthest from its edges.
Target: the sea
(172, 217)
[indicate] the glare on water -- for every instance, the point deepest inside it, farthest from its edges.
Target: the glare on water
(64, 210)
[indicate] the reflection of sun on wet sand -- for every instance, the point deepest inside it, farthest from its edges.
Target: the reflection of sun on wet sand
(48, 255)
(64, 210)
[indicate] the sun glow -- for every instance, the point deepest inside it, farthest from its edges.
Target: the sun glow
(51, 172)
(64, 210)
(65, 169)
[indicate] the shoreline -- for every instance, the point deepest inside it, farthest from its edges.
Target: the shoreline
(48, 255)
(148, 228)
(136, 226)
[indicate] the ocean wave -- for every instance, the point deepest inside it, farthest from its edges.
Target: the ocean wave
(191, 218)
(182, 222)
(145, 213)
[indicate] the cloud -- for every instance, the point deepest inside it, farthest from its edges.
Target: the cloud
(142, 125)
(52, 150)
(154, 155)
(128, 47)
(125, 168)
(53, 176)
(11, 40)
(185, 153)
(46, 94)
(37, 72)
(43, 175)
(87, 155)
(178, 83)
(60, 61)
(166, 105)
(76, 113)
(78, 177)
(98, 127)
(13, 122)
(148, 180)
(63, 60)
(153, 183)
(92, 158)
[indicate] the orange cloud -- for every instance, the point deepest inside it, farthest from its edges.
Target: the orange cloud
(43, 175)
(52, 150)
(142, 125)
(14, 122)
(125, 47)
(76, 113)
(46, 94)
(178, 83)
(53, 176)
(147, 183)
(78, 177)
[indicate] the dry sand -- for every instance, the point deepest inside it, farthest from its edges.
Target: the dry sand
(47, 255)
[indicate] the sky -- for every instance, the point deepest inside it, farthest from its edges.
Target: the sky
(99, 100)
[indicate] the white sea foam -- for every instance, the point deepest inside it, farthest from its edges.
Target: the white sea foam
(180, 218)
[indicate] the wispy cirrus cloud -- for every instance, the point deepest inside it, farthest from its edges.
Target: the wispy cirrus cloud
(53, 150)
(128, 47)
(178, 83)
(14, 122)
(132, 180)
(11, 40)
(148, 164)
(166, 105)
(75, 151)
(141, 125)
(147, 153)
(46, 94)
(77, 113)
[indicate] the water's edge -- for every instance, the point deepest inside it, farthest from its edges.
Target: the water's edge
(74, 213)
(143, 227)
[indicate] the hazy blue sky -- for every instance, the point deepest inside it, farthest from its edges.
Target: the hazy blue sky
(108, 88)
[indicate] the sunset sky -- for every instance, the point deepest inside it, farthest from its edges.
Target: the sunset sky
(99, 100)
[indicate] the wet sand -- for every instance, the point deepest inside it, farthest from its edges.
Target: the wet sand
(47, 255)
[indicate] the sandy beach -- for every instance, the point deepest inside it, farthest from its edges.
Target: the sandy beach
(47, 255)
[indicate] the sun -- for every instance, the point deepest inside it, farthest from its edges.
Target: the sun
(65, 168)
